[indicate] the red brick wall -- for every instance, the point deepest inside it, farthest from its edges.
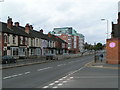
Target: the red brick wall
(113, 54)
(64, 37)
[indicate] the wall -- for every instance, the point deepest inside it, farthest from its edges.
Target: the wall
(113, 53)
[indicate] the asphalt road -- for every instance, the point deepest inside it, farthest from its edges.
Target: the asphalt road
(39, 75)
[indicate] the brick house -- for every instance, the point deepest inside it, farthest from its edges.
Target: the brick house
(25, 42)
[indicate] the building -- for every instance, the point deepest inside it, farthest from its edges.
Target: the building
(68, 34)
(113, 44)
(25, 42)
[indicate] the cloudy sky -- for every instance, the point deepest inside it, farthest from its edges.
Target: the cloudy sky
(83, 15)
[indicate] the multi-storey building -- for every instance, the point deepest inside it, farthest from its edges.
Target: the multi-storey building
(68, 34)
(24, 42)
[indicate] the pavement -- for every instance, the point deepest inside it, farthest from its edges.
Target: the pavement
(93, 75)
(26, 62)
(102, 64)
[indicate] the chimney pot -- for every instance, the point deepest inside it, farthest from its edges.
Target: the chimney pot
(9, 22)
(31, 27)
(17, 24)
(41, 30)
(27, 28)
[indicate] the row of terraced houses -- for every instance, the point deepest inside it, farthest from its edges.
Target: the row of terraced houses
(25, 42)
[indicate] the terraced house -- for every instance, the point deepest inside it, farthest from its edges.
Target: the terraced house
(24, 42)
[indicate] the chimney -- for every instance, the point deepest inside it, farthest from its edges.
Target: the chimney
(27, 28)
(49, 35)
(17, 24)
(41, 30)
(9, 23)
(31, 27)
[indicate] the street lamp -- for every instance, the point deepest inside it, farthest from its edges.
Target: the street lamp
(107, 26)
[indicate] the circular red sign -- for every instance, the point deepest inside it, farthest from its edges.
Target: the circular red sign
(112, 44)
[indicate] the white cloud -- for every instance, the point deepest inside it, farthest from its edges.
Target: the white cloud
(83, 15)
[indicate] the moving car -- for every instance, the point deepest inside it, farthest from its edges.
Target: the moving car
(8, 59)
(51, 57)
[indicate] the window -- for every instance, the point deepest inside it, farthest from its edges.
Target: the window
(13, 39)
(15, 51)
(21, 40)
(26, 41)
(31, 41)
(5, 38)
(8, 39)
(36, 42)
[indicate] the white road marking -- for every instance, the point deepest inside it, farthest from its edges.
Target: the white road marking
(12, 76)
(60, 84)
(64, 81)
(60, 65)
(20, 74)
(45, 86)
(7, 77)
(56, 81)
(44, 68)
(27, 72)
(51, 84)
(60, 79)
(64, 77)
(71, 77)
(55, 87)
(97, 77)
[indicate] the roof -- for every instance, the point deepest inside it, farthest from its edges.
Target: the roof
(33, 33)
(56, 38)
(15, 30)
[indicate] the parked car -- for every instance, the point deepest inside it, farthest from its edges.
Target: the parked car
(8, 59)
(51, 57)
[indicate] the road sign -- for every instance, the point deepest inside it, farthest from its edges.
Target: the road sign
(112, 44)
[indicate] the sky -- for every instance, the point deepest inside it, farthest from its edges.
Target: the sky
(83, 15)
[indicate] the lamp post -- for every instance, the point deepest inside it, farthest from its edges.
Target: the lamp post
(107, 25)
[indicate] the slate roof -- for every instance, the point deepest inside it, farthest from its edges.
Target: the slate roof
(20, 31)
(15, 30)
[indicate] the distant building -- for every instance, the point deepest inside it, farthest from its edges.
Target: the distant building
(68, 34)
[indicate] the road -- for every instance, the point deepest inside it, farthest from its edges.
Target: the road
(38, 75)
(49, 75)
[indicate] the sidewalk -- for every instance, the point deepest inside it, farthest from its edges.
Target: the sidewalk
(92, 76)
(102, 64)
(26, 62)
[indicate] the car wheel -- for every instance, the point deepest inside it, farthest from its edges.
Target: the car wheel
(46, 58)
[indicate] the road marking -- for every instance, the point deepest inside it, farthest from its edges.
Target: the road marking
(71, 77)
(61, 65)
(20, 74)
(96, 77)
(64, 77)
(51, 84)
(60, 84)
(56, 81)
(64, 81)
(55, 87)
(7, 77)
(45, 86)
(60, 79)
(12, 76)
(44, 68)
(27, 72)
